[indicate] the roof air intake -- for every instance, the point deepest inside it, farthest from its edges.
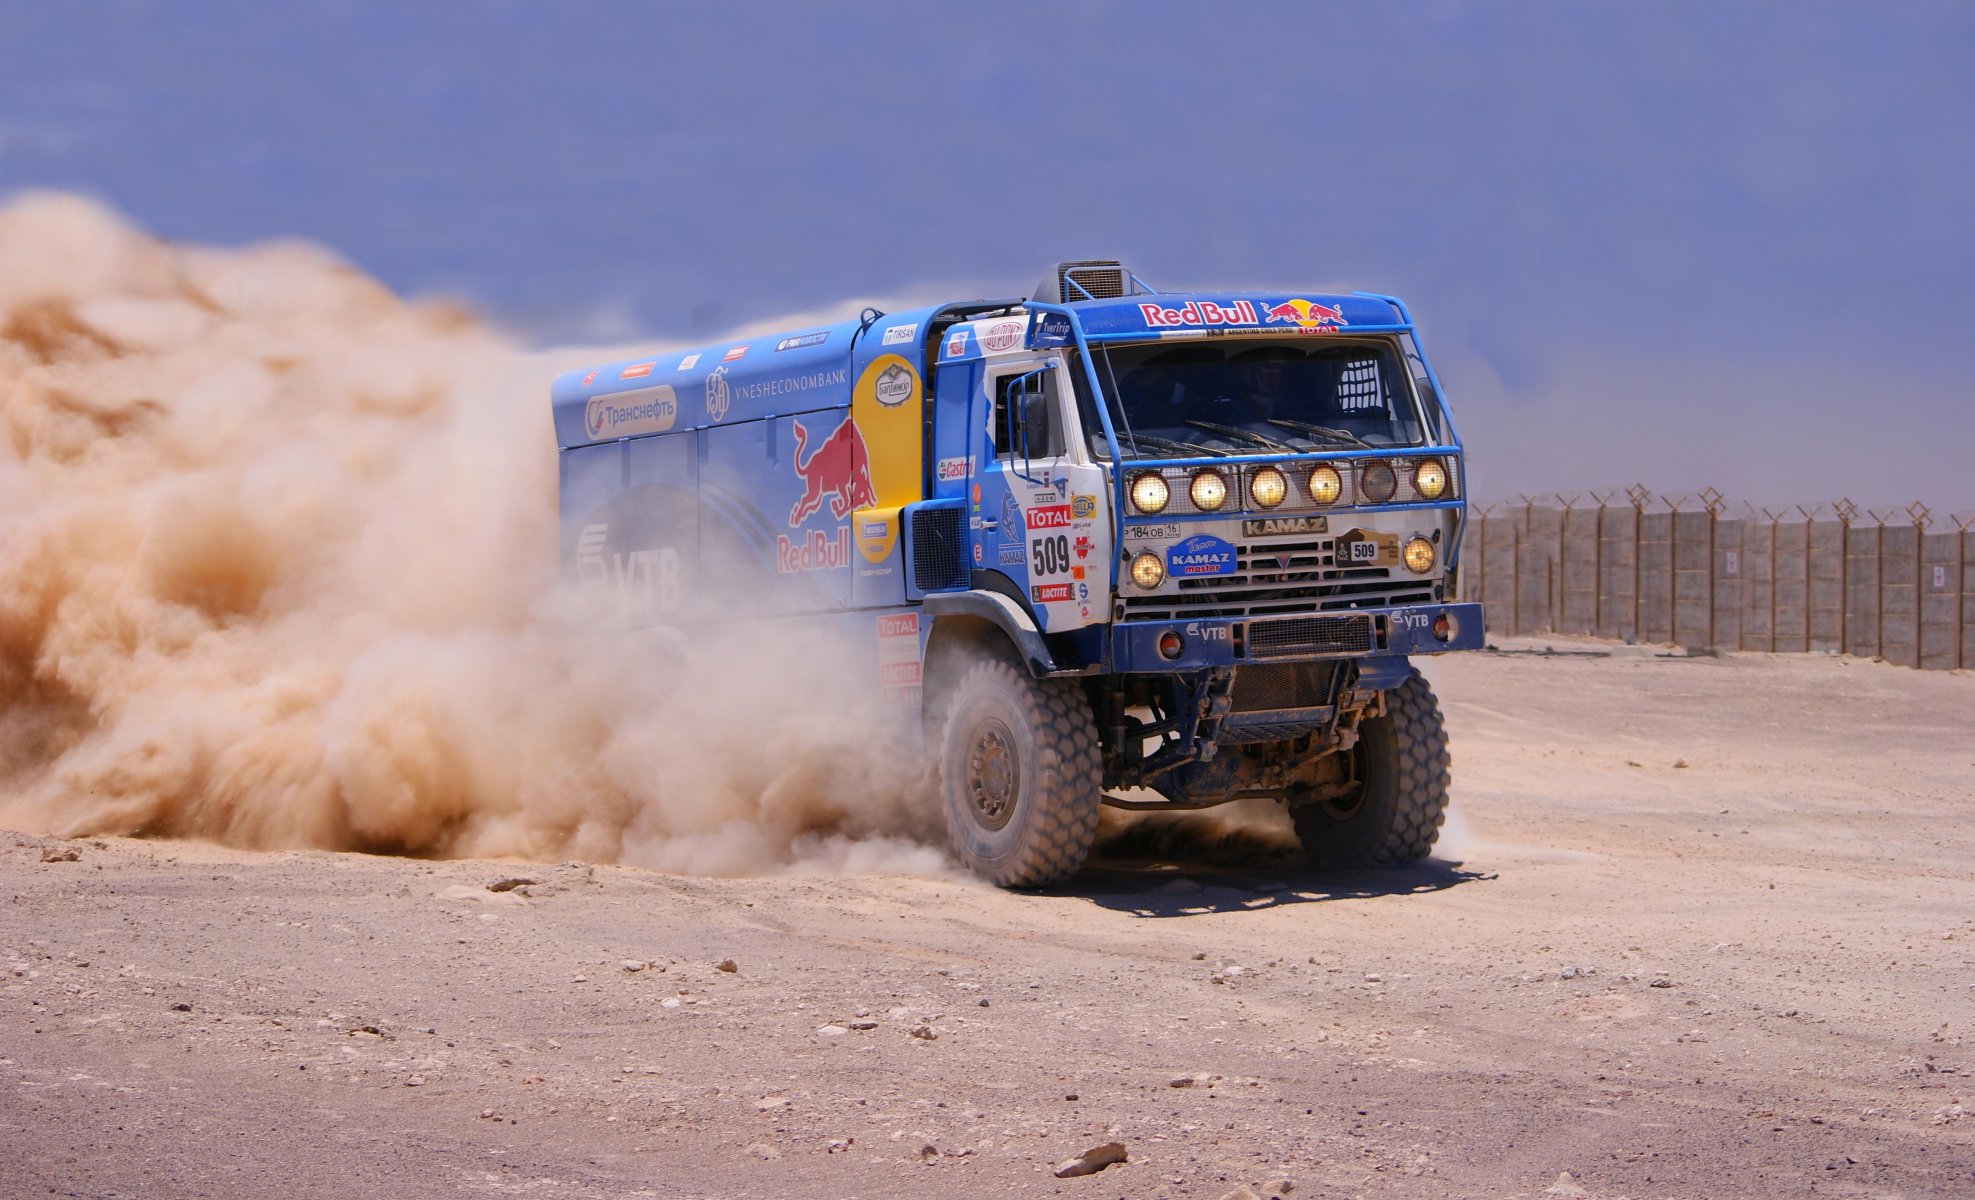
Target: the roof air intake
(1091, 279)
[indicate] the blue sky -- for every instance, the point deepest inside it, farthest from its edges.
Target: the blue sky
(1681, 244)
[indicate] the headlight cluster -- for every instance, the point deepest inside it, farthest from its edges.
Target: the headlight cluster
(1430, 478)
(1373, 481)
(1147, 571)
(1208, 491)
(1267, 487)
(1326, 485)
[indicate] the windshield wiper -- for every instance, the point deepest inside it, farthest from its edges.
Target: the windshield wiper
(1156, 442)
(1323, 431)
(1240, 434)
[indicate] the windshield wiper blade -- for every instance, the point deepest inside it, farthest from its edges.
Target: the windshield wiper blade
(1156, 441)
(1322, 431)
(1240, 434)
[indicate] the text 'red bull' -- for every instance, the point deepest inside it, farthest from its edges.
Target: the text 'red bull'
(1196, 313)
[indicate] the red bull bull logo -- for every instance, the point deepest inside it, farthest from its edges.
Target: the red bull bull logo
(837, 468)
(1307, 315)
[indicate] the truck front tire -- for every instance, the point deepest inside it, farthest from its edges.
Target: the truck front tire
(1020, 775)
(1394, 815)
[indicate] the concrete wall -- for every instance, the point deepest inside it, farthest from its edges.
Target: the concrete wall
(1697, 578)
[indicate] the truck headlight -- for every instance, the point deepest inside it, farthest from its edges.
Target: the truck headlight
(1148, 571)
(1267, 487)
(1430, 478)
(1149, 492)
(1326, 485)
(1378, 482)
(1419, 556)
(1208, 490)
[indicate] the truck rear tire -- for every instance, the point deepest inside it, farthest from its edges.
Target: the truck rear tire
(1020, 775)
(1394, 816)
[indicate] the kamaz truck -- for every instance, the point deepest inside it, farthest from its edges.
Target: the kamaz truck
(1104, 545)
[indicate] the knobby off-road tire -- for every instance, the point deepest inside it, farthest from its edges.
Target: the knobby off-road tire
(1020, 775)
(1395, 816)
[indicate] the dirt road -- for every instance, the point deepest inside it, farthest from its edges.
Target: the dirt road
(1699, 928)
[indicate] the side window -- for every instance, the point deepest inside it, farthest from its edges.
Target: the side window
(1027, 402)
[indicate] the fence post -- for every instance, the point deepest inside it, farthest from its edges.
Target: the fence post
(1845, 510)
(1962, 527)
(1773, 518)
(1638, 495)
(1712, 499)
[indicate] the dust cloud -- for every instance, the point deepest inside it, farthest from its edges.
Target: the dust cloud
(277, 569)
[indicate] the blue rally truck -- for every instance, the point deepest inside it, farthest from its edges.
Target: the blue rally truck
(1106, 539)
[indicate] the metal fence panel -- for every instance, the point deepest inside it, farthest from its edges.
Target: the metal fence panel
(1536, 590)
(1618, 572)
(1790, 572)
(1693, 589)
(1656, 577)
(1899, 595)
(1967, 638)
(1755, 545)
(1577, 545)
(1726, 578)
(1862, 584)
(1826, 603)
(1502, 539)
(1940, 600)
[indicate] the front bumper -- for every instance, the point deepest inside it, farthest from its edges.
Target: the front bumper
(1355, 634)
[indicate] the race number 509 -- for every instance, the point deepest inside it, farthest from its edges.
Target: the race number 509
(1050, 555)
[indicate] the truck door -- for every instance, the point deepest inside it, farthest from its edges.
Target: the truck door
(1041, 497)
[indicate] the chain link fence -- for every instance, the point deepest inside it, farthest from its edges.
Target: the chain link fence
(1897, 584)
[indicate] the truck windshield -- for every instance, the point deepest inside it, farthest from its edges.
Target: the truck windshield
(1235, 396)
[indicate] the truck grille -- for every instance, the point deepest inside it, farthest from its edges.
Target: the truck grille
(1293, 575)
(1309, 635)
(1273, 686)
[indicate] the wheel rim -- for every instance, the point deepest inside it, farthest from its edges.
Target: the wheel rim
(1347, 806)
(1343, 808)
(994, 775)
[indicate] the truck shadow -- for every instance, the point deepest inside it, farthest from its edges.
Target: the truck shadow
(1161, 889)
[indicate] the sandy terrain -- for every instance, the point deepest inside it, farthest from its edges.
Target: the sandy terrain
(1700, 927)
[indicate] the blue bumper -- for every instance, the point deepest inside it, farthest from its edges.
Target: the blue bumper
(1355, 634)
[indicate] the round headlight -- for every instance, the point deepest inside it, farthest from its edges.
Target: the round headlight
(1208, 490)
(1326, 485)
(1419, 556)
(1267, 487)
(1430, 478)
(1149, 494)
(1147, 571)
(1377, 482)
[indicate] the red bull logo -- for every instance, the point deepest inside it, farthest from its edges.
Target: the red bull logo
(838, 468)
(1308, 315)
(1198, 313)
(818, 552)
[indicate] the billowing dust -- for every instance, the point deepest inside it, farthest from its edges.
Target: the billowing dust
(278, 569)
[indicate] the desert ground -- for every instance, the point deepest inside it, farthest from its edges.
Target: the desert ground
(1698, 927)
